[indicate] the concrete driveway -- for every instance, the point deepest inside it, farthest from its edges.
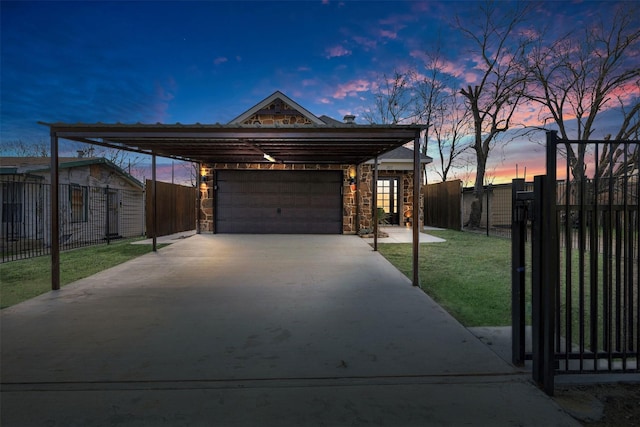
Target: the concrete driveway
(244, 330)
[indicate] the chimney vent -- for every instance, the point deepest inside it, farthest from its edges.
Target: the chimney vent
(349, 119)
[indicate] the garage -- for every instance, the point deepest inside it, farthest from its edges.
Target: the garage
(278, 202)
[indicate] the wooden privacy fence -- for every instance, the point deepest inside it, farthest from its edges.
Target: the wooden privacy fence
(176, 208)
(442, 205)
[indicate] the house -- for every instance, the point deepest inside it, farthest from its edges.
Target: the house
(98, 200)
(299, 197)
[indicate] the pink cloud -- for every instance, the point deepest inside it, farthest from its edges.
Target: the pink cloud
(388, 34)
(309, 82)
(365, 42)
(325, 101)
(530, 33)
(445, 66)
(353, 87)
(470, 78)
(337, 51)
(397, 21)
(163, 95)
(220, 60)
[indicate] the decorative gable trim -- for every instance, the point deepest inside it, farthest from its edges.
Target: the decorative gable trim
(277, 109)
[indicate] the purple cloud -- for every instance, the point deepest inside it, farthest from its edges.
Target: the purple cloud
(337, 51)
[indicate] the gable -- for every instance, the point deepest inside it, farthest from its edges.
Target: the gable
(277, 109)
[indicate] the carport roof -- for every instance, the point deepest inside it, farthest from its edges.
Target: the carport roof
(234, 143)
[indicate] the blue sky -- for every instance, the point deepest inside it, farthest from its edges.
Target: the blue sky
(209, 61)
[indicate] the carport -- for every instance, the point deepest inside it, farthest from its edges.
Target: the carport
(198, 143)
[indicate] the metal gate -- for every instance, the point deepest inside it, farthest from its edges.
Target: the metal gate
(583, 226)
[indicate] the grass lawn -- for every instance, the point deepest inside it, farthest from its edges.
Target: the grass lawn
(25, 279)
(469, 275)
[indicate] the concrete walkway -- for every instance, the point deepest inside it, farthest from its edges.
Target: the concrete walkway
(246, 330)
(397, 234)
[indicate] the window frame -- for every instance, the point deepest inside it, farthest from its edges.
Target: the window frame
(83, 209)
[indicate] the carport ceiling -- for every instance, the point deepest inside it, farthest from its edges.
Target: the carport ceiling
(348, 144)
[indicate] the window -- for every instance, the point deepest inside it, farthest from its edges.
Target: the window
(78, 200)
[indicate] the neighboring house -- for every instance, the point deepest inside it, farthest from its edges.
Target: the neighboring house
(97, 200)
(303, 197)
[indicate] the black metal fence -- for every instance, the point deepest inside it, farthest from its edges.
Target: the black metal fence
(584, 257)
(88, 216)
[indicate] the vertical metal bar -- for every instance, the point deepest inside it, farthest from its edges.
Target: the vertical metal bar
(568, 246)
(537, 266)
(607, 225)
(637, 261)
(518, 230)
(593, 267)
(618, 256)
(628, 259)
(198, 197)
(357, 198)
(374, 203)
(582, 245)
(55, 220)
(551, 258)
(154, 203)
(108, 201)
(487, 189)
(416, 209)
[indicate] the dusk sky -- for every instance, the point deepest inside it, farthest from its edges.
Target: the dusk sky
(209, 61)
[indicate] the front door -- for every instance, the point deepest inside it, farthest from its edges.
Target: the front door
(389, 199)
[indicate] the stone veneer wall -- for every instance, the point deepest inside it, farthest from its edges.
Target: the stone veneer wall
(357, 206)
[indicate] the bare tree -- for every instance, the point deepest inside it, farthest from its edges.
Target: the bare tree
(425, 96)
(440, 109)
(125, 160)
(24, 149)
(192, 169)
(498, 93)
(393, 100)
(431, 91)
(451, 122)
(585, 73)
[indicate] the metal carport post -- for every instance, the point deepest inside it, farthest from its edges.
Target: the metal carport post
(416, 209)
(55, 224)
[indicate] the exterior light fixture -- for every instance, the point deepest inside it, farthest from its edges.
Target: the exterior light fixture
(203, 175)
(407, 218)
(352, 178)
(268, 157)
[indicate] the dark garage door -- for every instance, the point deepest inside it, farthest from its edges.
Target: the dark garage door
(279, 202)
